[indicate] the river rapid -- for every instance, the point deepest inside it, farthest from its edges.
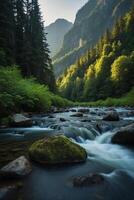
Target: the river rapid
(114, 162)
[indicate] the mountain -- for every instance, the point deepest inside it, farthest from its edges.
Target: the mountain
(55, 34)
(91, 22)
(107, 70)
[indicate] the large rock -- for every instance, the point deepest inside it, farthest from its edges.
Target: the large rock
(83, 110)
(57, 150)
(90, 180)
(124, 136)
(19, 120)
(111, 116)
(16, 169)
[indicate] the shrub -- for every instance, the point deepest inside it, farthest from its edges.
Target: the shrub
(17, 93)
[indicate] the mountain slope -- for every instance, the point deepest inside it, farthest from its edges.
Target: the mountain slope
(91, 22)
(107, 70)
(56, 32)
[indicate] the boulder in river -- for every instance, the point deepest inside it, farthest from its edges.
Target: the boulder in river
(19, 120)
(63, 119)
(83, 110)
(57, 150)
(18, 168)
(111, 116)
(86, 181)
(124, 136)
(78, 114)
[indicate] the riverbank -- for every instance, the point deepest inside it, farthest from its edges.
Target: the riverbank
(126, 100)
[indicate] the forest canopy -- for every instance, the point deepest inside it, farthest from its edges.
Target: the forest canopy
(107, 69)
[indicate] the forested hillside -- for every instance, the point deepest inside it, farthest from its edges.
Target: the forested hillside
(55, 34)
(91, 22)
(26, 75)
(23, 40)
(107, 70)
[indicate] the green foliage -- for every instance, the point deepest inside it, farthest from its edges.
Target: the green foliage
(126, 100)
(23, 40)
(59, 101)
(92, 21)
(107, 70)
(17, 94)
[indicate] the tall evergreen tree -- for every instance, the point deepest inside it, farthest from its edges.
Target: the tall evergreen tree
(23, 39)
(20, 24)
(41, 62)
(7, 31)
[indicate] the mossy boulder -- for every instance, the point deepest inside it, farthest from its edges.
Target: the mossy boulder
(57, 150)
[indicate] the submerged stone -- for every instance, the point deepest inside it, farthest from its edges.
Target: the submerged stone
(57, 150)
(89, 180)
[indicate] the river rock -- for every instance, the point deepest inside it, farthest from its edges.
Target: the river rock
(51, 116)
(124, 136)
(83, 110)
(73, 110)
(16, 169)
(57, 150)
(86, 120)
(58, 110)
(77, 115)
(90, 180)
(63, 119)
(111, 116)
(19, 120)
(8, 193)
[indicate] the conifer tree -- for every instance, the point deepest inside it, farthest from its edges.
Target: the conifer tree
(7, 31)
(20, 24)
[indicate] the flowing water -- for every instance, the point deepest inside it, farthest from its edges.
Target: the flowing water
(114, 162)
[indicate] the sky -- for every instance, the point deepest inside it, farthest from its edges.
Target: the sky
(54, 9)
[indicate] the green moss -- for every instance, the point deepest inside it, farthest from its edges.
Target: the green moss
(10, 150)
(56, 149)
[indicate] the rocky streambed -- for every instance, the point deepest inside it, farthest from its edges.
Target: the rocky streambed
(106, 135)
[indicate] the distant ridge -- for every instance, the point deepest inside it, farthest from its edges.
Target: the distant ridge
(91, 22)
(55, 34)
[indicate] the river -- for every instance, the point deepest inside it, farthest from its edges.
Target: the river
(114, 162)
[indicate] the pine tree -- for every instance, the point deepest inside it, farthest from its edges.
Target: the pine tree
(23, 40)
(42, 65)
(27, 49)
(20, 24)
(7, 31)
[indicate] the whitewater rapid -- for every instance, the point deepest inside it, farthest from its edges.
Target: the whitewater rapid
(100, 149)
